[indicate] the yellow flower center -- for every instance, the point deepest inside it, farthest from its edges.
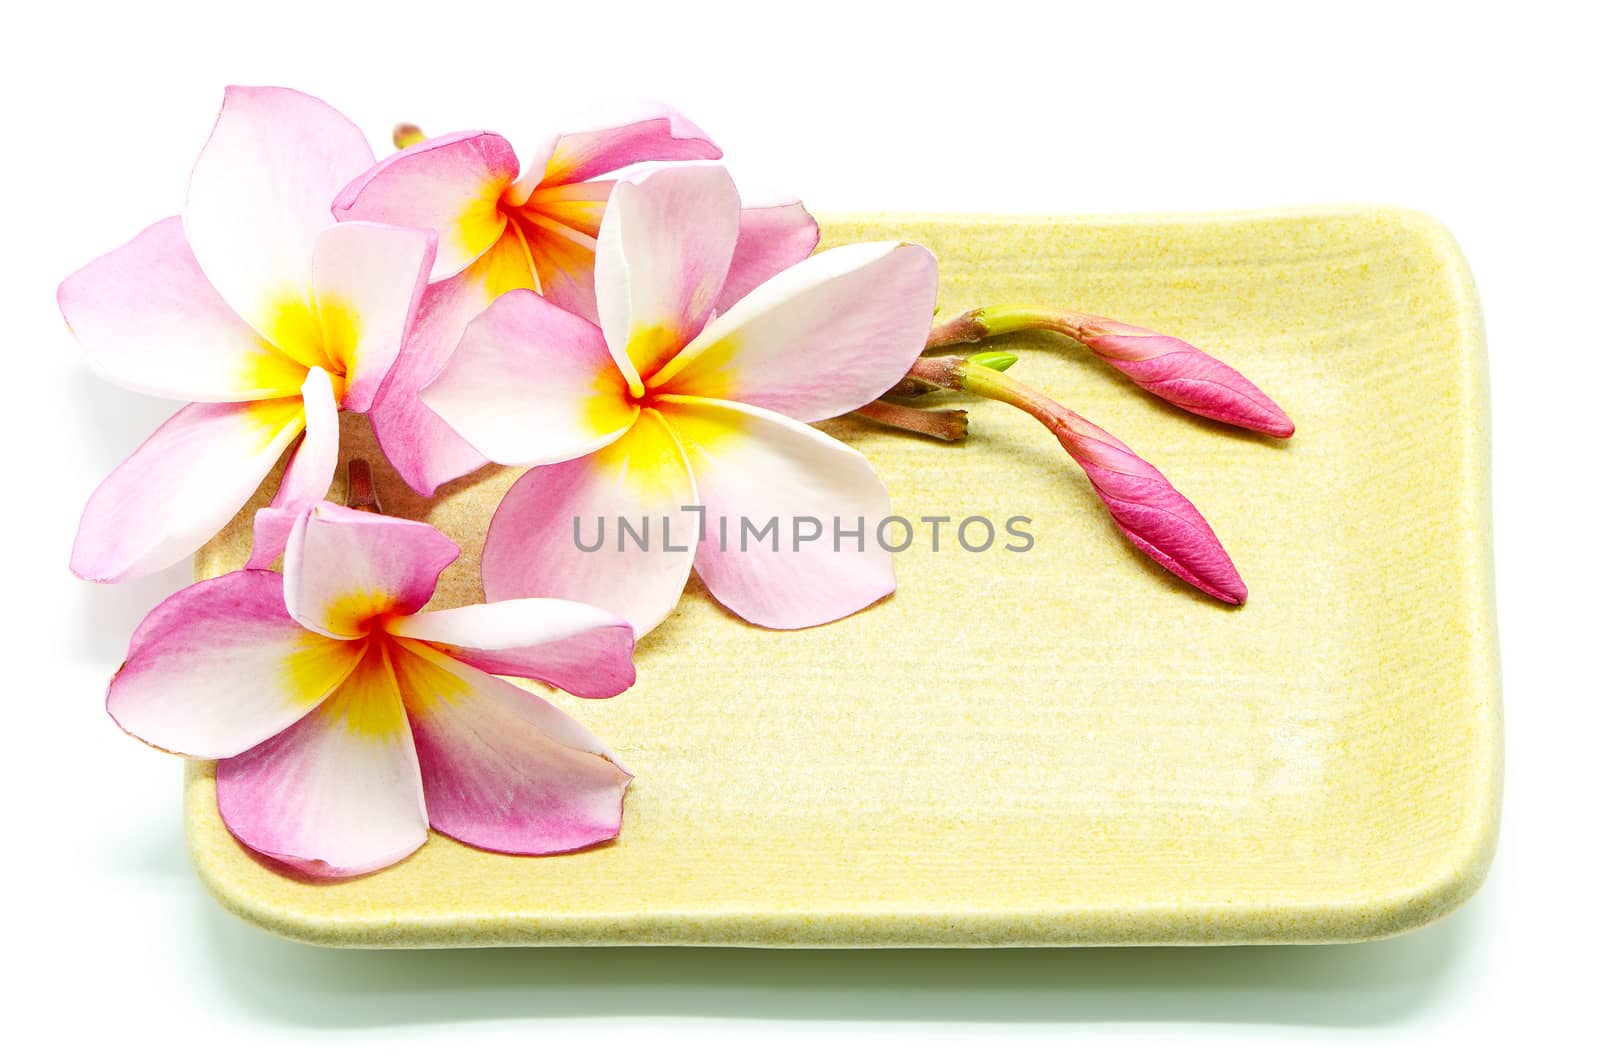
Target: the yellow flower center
(316, 334)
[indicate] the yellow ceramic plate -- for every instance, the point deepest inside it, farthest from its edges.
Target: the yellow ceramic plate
(1064, 746)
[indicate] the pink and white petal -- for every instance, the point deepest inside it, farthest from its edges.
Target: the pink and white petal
(308, 475)
(342, 569)
(754, 466)
(533, 171)
(820, 339)
(531, 383)
(263, 190)
(616, 135)
(502, 769)
(573, 646)
(423, 448)
(340, 792)
(149, 320)
(772, 237)
(563, 259)
(559, 225)
(369, 279)
(450, 185)
(664, 249)
(541, 539)
(578, 207)
(181, 486)
(220, 666)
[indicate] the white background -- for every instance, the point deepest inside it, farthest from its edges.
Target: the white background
(1485, 121)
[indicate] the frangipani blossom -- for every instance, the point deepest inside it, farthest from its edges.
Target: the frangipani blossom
(507, 225)
(258, 308)
(347, 721)
(676, 415)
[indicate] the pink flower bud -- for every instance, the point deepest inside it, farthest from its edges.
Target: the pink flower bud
(1157, 518)
(1180, 374)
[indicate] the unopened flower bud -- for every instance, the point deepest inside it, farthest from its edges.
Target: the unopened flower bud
(1182, 375)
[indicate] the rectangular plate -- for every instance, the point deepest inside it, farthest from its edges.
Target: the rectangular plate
(1064, 746)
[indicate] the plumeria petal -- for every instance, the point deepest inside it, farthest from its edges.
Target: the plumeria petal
(181, 486)
(149, 320)
(220, 666)
(369, 279)
(772, 236)
(423, 448)
(449, 184)
(503, 769)
(621, 134)
(560, 257)
(340, 792)
(533, 171)
(664, 251)
(576, 207)
(818, 340)
(573, 646)
(343, 568)
(262, 192)
(308, 475)
(1157, 518)
(531, 383)
(751, 468)
(541, 540)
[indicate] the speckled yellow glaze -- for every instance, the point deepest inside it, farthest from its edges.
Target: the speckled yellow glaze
(1066, 746)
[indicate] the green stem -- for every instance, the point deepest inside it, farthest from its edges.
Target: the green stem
(960, 373)
(978, 324)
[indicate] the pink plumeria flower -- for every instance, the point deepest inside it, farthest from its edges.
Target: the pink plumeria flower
(506, 225)
(347, 721)
(669, 406)
(258, 308)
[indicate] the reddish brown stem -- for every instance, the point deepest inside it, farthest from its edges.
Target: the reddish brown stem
(909, 388)
(945, 424)
(359, 493)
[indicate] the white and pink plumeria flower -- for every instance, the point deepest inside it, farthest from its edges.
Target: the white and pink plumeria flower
(348, 721)
(686, 410)
(607, 312)
(260, 310)
(505, 224)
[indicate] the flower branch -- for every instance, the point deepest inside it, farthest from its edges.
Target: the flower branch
(943, 424)
(1158, 519)
(360, 493)
(1168, 367)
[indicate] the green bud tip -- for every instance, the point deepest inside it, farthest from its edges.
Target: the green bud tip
(994, 361)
